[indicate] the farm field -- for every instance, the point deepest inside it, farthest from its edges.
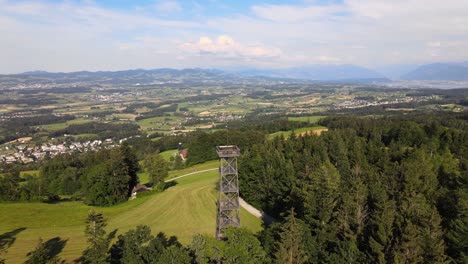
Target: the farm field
(301, 131)
(59, 126)
(182, 210)
(309, 119)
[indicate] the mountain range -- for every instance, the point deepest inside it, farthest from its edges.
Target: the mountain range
(439, 71)
(318, 73)
(310, 73)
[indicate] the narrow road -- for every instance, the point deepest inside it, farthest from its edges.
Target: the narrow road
(249, 208)
(189, 174)
(254, 211)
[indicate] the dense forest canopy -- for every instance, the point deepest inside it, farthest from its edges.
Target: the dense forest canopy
(371, 190)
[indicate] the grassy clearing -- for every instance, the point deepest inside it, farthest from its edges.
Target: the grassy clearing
(30, 172)
(199, 167)
(159, 123)
(60, 126)
(310, 119)
(86, 136)
(297, 131)
(125, 116)
(168, 154)
(143, 177)
(183, 210)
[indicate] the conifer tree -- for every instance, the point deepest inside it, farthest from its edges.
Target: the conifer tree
(433, 244)
(457, 235)
(131, 162)
(98, 243)
(416, 208)
(378, 234)
(290, 248)
(118, 178)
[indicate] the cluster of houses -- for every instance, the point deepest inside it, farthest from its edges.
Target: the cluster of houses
(355, 103)
(114, 97)
(16, 114)
(28, 153)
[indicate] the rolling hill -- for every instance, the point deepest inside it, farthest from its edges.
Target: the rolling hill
(182, 210)
(439, 71)
(320, 72)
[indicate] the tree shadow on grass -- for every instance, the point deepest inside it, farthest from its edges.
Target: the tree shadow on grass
(161, 186)
(54, 246)
(167, 242)
(47, 252)
(168, 185)
(8, 239)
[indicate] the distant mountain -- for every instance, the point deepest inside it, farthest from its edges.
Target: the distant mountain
(161, 73)
(310, 73)
(319, 72)
(395, 71)
(439, 71)
(122, 77)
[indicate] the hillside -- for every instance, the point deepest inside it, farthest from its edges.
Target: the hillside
(315, 73)
(319, 72)
(439, 71)
(182, 210)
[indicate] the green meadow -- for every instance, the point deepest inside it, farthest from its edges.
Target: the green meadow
(182, 210)
(298, 131)
(309, 119)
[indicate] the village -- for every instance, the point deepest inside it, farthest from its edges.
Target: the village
(24, 153)
(359, 103)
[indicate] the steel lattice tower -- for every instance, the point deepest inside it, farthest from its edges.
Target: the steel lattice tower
(228, 193)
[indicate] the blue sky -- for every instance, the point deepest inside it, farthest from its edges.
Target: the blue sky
(70, 35)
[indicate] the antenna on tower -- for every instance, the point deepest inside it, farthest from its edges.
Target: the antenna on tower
(227, 135)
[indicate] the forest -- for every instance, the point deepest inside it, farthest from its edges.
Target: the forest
(370, 190)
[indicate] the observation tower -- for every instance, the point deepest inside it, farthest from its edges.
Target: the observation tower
(228, 189)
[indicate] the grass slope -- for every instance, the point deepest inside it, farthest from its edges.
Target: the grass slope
(309, 119)
(297, 131)
(168, 154)
(183, 210)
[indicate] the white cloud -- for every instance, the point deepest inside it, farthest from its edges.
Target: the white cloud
(290, 13)
(226, 46)
(168, 6)
(329, 59)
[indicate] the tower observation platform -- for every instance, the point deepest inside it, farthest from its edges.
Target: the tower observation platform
(228, 189)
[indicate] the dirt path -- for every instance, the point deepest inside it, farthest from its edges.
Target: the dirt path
(254, 211)
(189, 174)
(249, 208)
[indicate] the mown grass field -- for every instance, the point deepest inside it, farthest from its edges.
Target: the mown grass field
(309, 119)
(299, 131)
(182, 210)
